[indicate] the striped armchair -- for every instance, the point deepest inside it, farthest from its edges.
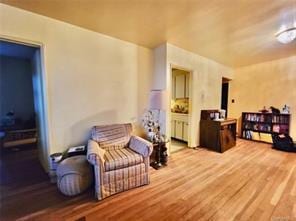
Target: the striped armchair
(120, 160)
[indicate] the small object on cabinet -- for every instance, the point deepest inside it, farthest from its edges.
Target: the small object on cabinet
(286, 109)
(275, 110)
(74, 151)
(264, 110)
(222, 114)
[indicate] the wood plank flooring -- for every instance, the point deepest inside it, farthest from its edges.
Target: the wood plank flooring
(248, 182)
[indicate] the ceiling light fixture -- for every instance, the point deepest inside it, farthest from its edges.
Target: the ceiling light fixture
(286, 35)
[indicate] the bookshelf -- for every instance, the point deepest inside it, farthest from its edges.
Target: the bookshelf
(267, 123)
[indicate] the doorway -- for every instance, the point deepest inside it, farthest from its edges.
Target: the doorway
(224, 97)
(180, 108)
(23, 149)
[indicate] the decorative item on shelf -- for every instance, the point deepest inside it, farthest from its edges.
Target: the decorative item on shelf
(286, 109)
(275, 110)
(264, 110)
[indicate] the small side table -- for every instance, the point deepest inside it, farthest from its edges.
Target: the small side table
(75, 151)
(159, 156)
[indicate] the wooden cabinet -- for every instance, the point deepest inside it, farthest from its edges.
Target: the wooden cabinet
(180, 86)
(179, 126)
(218, 135)
(187, 85)
(227, 137)
(185, 131)
(173, 128)
(173, 87)
(179, 130)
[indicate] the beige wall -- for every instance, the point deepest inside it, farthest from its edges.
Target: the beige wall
(91, 78)
(266, 84)
(205, 83)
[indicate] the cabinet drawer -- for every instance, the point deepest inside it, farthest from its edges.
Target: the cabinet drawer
(180, 117)
(185, 131)
(187, 86)
(173, 128)
(179, 130)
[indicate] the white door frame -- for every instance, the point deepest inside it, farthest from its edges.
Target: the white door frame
(44, 93)
(190, 99)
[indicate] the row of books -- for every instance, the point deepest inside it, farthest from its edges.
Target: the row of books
(277, 128)
(261, 127)
(280, 119)
(258, 117)
(247, 134)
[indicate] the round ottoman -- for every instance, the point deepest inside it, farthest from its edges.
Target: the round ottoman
(74, 175)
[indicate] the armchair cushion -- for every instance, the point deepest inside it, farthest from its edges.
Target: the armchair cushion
(141, 146)
(111, 137)
(121, 158)
(95, 154)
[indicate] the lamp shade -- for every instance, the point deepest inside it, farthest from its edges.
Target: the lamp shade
(157, 100)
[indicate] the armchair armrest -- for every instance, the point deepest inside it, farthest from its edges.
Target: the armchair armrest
(95, 154)
(141, 146)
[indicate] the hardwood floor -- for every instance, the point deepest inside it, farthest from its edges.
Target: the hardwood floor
(248, 182)
(177, 145)
(20, 167)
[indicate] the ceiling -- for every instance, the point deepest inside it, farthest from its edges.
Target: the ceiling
(232, 32)
(16, 50)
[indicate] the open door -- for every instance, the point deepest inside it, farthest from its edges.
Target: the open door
(32, 53)
(39, 105)
(224, 97)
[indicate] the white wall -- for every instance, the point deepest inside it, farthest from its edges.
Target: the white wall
(90, 78)
(16, 87)
(206, 83)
